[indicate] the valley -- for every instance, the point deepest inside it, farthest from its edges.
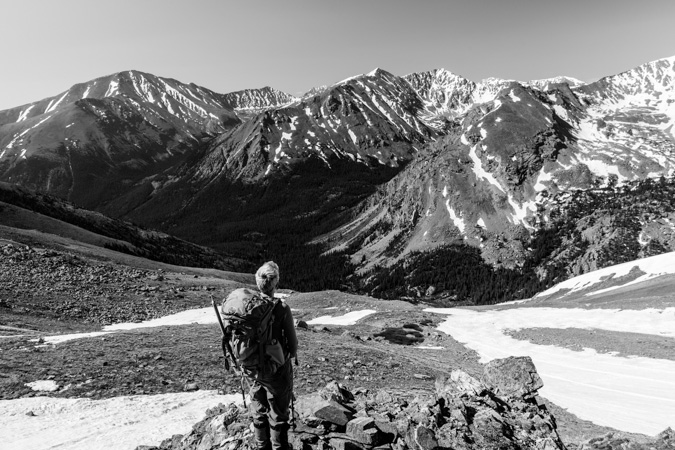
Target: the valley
(424, 225)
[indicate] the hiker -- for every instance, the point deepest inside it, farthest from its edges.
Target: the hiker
(268, 367)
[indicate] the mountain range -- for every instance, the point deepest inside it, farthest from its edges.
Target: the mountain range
(521, 184)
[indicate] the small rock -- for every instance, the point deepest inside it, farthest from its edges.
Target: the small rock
(190, 387)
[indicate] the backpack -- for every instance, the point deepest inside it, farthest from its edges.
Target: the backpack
(248, 318)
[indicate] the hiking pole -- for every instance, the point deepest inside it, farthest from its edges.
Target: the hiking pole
(226, 347)
(294, 425)
(222, 329)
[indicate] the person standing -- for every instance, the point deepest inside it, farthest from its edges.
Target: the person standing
(271, 394)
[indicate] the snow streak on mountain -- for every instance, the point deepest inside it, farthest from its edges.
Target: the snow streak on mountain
(377, 165)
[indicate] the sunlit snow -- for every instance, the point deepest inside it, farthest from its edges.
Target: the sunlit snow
(120, 423)
(24, 114)
(457, 220)
(633, 394)
(653, 267)
(480, 172)
(43, 385)
(347, 319)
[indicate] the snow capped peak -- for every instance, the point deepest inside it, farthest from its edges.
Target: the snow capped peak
(545, 83)
(492, 81)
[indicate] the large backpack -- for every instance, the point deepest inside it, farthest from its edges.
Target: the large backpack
(248, 318)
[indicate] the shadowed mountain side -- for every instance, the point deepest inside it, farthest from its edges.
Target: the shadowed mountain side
(22, 209)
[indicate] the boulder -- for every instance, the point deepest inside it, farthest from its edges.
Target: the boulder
(459, 383)
(364, 430)
(336, 392)
(315, 406)
(512, 377)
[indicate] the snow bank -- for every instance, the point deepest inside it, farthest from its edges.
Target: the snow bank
(199, 316)
(118, 423)
(653, 267)
(631, 394)
(348, 319)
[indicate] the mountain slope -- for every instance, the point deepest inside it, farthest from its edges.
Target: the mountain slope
(378, 167)
(90, 142)
(498, 176)
(24, 210)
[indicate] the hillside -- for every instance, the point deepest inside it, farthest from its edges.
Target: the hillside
(370, 174)
(66, 347)
(25, 210)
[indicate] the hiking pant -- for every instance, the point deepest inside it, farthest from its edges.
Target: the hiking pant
(270, 400)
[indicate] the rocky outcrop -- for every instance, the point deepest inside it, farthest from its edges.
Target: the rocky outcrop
(500, 411)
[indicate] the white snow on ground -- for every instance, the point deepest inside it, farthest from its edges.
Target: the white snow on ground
(200, 316)
(24, 114)
(601, 168)
(348, 319)
(353, 136)
(43, 385)
(521, 211)
(456, 220)
(191, 316)
(653, 267)
(633, 394)
(513, 96)
(117, 423)
(480, 172)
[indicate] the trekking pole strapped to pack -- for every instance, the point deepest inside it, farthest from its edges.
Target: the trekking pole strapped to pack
(227, 351)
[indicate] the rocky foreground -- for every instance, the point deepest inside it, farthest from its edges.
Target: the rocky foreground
(500, 411)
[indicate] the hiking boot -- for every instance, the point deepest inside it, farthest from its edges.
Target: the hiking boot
(279, 438)
(262, 437)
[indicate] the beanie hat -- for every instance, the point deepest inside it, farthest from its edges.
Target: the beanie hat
(267, 277)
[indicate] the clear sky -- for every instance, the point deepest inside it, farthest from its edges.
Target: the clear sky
(294, 45)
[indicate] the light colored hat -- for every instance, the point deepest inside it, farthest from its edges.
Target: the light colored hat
(267, 277)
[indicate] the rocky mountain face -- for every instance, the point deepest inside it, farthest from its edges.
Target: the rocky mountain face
(376, 167)
(249, 102)
(100, 138)
(493, 178)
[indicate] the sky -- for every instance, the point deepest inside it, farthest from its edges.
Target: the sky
(294, 45)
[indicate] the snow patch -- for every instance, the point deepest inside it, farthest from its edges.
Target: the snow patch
(347, 319)
(480, 172)
(639, 392)
(43, 385)
(456, 219)
(24, 114)
(112, 88)
(513, 96)
(119, 423)
(653, 267)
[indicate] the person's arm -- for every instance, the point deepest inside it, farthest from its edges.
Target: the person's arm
(289, 332)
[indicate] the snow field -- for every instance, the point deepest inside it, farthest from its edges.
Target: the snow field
(653, 266)
(347, 319)
(120, 423)
(633, 394)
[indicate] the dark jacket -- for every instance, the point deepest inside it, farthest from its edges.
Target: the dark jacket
(283, 329)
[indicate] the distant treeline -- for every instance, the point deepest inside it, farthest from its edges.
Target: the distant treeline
(457, 273)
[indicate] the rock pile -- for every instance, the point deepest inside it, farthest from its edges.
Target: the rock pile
(501, 410)
(66, 286)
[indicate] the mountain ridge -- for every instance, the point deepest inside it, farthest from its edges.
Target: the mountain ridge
(430, 159)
